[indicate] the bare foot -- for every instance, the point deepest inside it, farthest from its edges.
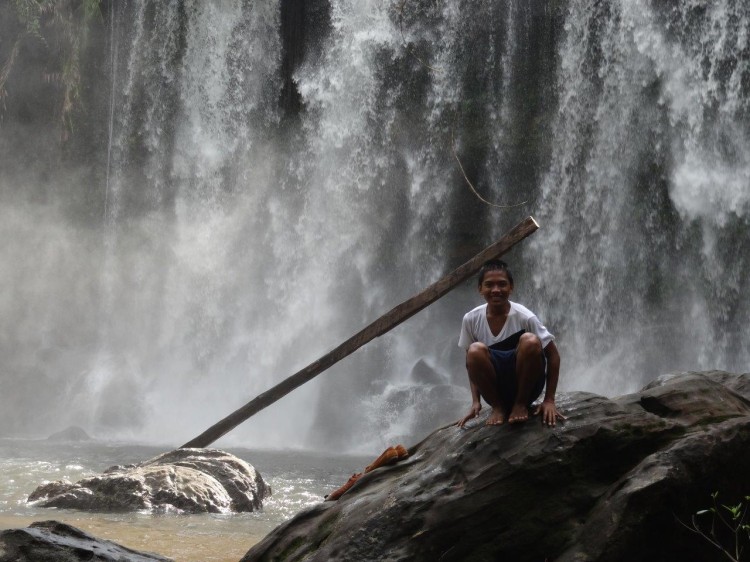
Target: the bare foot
(518, 414)
(497, 417)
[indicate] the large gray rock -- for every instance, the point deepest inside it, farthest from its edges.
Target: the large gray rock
(609, 484)
(52, 541)
(181, 481)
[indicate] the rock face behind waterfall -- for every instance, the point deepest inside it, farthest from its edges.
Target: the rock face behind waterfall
(182, 481)
(58, 542)
(611, 483)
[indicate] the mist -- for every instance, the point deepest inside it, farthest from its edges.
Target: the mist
(244, 186)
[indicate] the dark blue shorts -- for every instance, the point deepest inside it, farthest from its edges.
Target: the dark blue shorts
(504, 363)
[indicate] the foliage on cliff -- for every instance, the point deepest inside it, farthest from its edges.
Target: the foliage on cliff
(58, 30)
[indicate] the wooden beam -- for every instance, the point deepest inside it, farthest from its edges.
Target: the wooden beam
(385, 323)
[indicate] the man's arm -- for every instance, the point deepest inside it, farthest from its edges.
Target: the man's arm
(547, 408)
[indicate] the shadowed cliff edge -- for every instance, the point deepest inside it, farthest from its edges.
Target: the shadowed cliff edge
(608, 484)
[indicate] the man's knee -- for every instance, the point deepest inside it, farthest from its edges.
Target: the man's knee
(477, 352)
(529, 345)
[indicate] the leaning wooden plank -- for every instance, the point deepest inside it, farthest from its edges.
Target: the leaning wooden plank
(385, 323)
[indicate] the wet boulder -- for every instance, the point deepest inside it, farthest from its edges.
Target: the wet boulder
(615, 482)
(52, 540)
(180, 481)
(70, 434)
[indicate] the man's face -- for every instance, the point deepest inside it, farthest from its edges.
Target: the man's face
(496, 287)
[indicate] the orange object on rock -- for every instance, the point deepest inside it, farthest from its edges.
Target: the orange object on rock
(333, 496)
(402, 452)
(390, 456)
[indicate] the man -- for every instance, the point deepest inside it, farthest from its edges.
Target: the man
(509, 354)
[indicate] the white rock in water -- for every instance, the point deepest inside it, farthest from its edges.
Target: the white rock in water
(183, 481)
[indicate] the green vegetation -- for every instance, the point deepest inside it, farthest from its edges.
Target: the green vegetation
(724, 527)
(60, 28)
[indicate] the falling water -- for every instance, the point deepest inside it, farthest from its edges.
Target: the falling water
(280, 174)
(644, 263)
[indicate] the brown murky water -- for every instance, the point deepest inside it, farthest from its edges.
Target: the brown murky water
(188, 539)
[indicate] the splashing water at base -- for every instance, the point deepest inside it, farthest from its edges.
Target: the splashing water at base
(298, 480)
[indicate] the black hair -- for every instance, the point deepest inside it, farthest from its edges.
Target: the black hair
(495, 265)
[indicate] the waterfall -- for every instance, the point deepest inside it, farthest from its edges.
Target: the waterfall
(277, 175)
(646, 199)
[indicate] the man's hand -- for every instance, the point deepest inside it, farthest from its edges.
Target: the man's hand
(549, 413)
(476, 407)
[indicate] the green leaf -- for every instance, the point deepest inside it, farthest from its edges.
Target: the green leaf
(734, 510)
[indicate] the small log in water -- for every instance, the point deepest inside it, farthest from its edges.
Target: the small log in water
(384, 324)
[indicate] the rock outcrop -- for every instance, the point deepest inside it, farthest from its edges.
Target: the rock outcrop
(52, 540)
(611, 483)
(70, 434)
(181, 481)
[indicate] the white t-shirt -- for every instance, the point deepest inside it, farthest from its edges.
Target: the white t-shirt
(475, 328)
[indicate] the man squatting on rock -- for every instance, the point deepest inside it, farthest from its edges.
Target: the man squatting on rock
(508, 354)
